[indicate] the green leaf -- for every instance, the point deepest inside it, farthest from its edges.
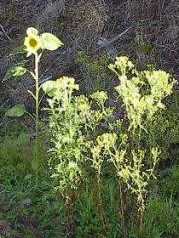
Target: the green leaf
(50, 42)
(18, 71)
(49, 88)
(16, 111)
(15, 73)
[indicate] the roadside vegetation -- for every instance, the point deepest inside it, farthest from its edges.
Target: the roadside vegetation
(98, 163)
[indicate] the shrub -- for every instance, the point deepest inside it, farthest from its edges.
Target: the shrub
(76, 137)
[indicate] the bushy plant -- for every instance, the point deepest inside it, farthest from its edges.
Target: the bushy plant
(65, 126)
(75, 123)
(142, 94)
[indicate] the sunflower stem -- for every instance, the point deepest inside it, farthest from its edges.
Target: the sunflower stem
(37, 89)
(37, 93)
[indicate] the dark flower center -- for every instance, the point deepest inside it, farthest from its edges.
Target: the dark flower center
(33, 43)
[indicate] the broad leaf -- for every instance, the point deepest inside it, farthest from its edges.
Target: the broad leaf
(50, 42)
(15, 73)
(18, 71)
(49, 88)
(16, 111)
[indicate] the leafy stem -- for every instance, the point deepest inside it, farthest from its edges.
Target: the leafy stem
(37, 91)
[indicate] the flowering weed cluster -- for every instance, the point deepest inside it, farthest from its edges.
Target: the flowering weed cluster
(77, 139)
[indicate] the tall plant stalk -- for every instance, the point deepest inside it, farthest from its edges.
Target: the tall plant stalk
(35, 43)
(37, 91)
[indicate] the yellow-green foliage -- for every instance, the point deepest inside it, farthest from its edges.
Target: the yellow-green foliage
(72, 122)
(143, 95)
(75, 129)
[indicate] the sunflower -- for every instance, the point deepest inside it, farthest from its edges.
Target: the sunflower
(32, 41)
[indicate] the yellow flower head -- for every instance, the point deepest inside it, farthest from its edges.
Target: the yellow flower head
(32, 41)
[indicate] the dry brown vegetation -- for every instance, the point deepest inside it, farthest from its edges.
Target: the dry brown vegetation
(146, 30)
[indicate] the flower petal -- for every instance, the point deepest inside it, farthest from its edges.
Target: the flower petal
(32, 31)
